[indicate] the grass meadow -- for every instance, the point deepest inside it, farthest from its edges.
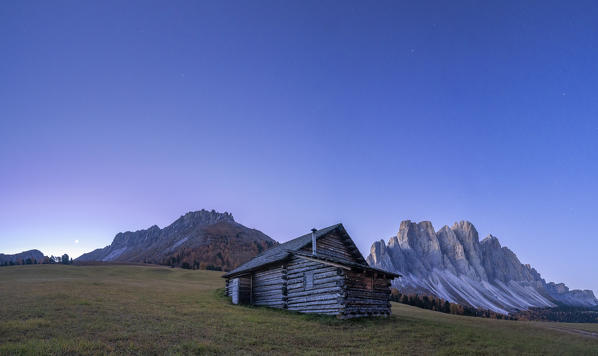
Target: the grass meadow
(56, 309)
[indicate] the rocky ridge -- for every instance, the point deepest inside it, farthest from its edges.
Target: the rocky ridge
(453, 264)
(33, 255)
(200, 239)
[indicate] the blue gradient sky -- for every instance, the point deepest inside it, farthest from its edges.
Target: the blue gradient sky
(118, 115)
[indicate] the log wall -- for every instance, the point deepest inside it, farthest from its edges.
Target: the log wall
(269, 287)
(314, 287)
(310, 286)
(368, 294)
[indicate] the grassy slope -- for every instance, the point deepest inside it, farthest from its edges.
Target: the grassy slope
(137, 309)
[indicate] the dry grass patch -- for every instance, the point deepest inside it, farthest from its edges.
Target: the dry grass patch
(50, 309)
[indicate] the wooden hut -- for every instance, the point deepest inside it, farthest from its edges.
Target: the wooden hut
(320, 272)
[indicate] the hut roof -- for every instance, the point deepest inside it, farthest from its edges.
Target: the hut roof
(286, 249)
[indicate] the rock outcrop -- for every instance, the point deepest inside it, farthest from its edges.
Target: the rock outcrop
(34, 256)
(453, 264)
(200, 239)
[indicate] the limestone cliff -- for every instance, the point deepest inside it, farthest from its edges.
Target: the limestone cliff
(452, 263)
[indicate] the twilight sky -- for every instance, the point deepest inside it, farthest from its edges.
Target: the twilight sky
(292, 114)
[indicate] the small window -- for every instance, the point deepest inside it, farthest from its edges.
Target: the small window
(309, 280)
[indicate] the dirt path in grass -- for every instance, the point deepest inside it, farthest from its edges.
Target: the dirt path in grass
(574, 331)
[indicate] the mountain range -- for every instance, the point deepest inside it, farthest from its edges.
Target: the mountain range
(453, 264)
(200, 239)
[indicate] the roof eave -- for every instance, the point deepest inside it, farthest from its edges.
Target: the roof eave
(249, 270)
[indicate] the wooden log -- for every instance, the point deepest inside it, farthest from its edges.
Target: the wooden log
(295, 272)
(368, 290)
(326, 274)
(367, 296)
(318, 309)
(258, 294)
(322, 284)
(269, 300)
(351, 316)
(267, 297)
(329, 299)
(323, 312)
(328, 280)
(329, 307)
(268, 282)
(268, 286)
(365, 302)
(314, 292)
(299, 277)
(262, 294)
(316, 303)
(368, 293)
(276, 298)
(277, 278)
(268, 275)
(363, 309)
(313, 298)
(277, 286)
(299, 288)
(295, 281)
(315, 309)
(299, 262)
(319, 283)
(276, 273)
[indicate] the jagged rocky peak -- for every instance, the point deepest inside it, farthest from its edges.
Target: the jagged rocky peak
(189, 220)
(467, 228)
(411, 233)
(130, 238)
(203, 217)
(378, 248)
(453, 264)
(208, 217)
(198, 238)
(492, 241)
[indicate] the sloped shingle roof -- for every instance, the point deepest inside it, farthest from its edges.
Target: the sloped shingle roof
(280, 252)
(284, 250)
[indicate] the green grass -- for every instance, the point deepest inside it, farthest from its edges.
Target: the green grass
(53, 309)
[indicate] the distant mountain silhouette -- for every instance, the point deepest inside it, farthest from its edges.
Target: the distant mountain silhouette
(21, 258)
(200, 239)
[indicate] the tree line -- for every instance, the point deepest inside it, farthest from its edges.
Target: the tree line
(444, 306)
(560, 313)
(64, 259)
(188, 260)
